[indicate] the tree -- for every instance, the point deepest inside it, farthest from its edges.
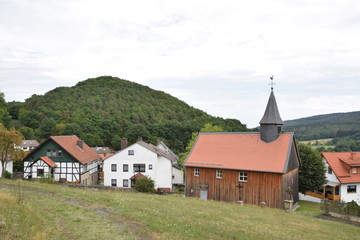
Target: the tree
(312, 169)
(144, 184)
(208, 127)
(8, 139)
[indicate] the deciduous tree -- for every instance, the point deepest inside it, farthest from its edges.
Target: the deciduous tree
(8, 140)
(312, 170)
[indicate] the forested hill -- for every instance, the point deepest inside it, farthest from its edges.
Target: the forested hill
(333, 125)
(103, 110)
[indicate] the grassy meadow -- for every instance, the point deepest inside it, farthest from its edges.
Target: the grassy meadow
(32, 210)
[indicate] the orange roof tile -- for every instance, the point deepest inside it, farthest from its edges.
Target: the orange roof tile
(242, 151)
(48, 161)
(69, 143)
(103, 156)
(138, 175)
(340, 163)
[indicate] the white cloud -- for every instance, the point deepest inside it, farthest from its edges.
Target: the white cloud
(214, 55)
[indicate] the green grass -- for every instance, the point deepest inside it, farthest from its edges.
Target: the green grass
(306, 207)
(167, 217)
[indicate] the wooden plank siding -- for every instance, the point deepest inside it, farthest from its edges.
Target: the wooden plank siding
(260, 186)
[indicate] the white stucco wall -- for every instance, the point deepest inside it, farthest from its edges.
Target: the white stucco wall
(348, 197)
(9, 167)
(161, 167)
(330, 177)
(141, 156)
(178, 176)
(164, 173)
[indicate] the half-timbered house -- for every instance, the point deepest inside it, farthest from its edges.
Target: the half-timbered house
(66, 158)
(250, 167)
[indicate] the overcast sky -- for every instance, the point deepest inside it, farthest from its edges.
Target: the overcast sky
(214, 55)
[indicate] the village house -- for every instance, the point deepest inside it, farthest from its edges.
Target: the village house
(249, 167)
(342, 175)
(143, 159)
(66, 158)
(28, 145)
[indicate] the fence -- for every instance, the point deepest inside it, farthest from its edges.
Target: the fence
(341, 209)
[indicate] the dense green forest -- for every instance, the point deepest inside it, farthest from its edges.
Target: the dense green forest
(103, 110)
(325, 126)
(342, 128)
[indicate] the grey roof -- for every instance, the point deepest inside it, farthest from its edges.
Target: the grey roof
(155, 149)
(29, 143)
(101, 150)
(271, 115)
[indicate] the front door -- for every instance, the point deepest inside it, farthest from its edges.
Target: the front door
(203, 194)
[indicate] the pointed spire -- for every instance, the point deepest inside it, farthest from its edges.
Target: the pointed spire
(271, 123)
(271, 115)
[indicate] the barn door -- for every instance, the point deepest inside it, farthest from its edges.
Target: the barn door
(203, 194)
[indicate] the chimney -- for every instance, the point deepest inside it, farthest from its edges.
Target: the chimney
(123, 143)
(353, 156)
(140, 138)
(80, 143)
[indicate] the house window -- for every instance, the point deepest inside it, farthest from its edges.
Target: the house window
(59, 153)
(329, 170)
(48, 153)
(113, 167)
(130, 152)
(243, 177)
(125, 167)
(51, 153)
(353, 170)
(219, 173)
(150, 166)
(125, 183)
(139, 167)
(40, 172)
(351, 189)
(196, 172)
(113, 182)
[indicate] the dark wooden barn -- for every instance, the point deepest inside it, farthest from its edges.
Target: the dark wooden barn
(256, 168)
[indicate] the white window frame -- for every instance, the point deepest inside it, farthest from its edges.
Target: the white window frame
(125, 167)
(219, 174)
(127, 182)
(349, 186)
(353, 170)
(114, 182)
(113, 167)
(243, 176)
(196, 172)
(131, 152)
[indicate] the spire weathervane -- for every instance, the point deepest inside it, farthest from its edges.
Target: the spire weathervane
(272, 82)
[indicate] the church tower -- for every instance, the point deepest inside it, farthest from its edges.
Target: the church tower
(271, 123)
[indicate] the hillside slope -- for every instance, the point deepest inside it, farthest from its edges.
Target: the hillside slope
(103, 110)
(325, 126)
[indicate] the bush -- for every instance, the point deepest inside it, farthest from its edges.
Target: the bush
(47, 178)
(8, 175)
(145, 184)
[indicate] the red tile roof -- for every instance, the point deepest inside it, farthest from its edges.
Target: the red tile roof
(48, 161)
(241, 151)
(69, 144)
(103, 156)
(341, 163)
(138, 175)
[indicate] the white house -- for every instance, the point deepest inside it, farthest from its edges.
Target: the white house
(343, 176)
(143, 159)
(28, 145)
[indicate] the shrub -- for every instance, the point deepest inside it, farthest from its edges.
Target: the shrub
(47, 178)
(8, 175)
(145, 184)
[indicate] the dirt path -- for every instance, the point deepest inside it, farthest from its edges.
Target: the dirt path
(108, 213)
